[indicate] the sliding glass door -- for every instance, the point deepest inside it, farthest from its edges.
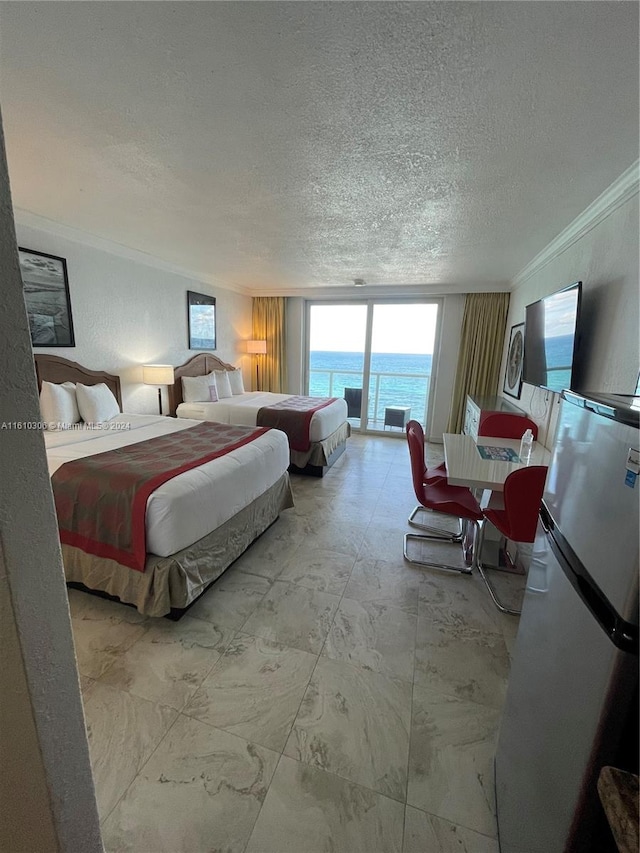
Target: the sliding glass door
(378, 355)
(337, 335)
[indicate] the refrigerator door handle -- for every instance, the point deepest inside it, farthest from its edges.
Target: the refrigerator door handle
(622, 634)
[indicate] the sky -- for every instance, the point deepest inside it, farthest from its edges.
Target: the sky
(396, 328)
(560, 313)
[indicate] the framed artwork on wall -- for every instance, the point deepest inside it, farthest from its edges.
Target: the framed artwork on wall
(201, 315)
(513, 374)
(46, 295)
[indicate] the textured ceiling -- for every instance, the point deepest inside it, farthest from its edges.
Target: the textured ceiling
(274, 146)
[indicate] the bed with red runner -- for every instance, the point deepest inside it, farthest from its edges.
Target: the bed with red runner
(153, 509)
(317, 427)
(101, 500)
(293, 416)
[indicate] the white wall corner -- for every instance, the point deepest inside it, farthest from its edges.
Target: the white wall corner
(84, 238)
(620, 191)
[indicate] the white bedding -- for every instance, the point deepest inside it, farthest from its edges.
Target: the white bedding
(192, 504)
(242, 409)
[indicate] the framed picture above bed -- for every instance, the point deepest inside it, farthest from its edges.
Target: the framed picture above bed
(46, 295)
(515, 354)
(201, 315)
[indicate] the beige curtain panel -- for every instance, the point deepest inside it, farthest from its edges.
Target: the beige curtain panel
(483, 329)
(268, 325)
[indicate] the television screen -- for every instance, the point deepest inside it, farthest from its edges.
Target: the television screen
(550, 339)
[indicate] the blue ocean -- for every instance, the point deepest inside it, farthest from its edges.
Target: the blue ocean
(397, 379)
(559, 354)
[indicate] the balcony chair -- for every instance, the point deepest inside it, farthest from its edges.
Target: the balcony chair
(518, 520)
(437, 496)
(504, 425)
(353, 396)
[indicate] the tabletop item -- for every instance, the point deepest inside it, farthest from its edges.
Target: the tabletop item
(525, 447)
(572, 699)
(502, 454)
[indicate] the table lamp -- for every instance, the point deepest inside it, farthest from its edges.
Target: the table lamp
(158, 374)
(257, 348)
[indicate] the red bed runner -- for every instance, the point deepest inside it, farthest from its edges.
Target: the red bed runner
(293, 416)
(101, 500)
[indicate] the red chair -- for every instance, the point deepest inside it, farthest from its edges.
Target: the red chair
(523, 490)
(439, 496)
(431, 476)
(504, 425)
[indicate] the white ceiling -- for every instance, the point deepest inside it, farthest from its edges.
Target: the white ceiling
(277, 146)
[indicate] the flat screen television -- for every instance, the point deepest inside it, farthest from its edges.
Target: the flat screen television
(551, 339)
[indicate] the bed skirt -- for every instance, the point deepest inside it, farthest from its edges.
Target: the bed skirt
(320, 451)
(177, 580)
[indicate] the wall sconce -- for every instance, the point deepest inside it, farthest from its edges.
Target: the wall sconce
(158, 374)
(257, 348)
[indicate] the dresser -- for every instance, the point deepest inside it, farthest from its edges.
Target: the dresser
(478, 408)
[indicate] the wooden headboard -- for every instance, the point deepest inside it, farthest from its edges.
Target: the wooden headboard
(54, 368)
(199, 365)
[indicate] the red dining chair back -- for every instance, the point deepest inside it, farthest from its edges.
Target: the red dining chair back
(429, 475)
(439, 496)
(518, 521)
(523, 491)
(504, 425)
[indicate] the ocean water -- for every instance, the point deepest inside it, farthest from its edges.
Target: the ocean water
(384, 390)
(558, 354)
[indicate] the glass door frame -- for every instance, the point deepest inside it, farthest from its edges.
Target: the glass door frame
(371, 302)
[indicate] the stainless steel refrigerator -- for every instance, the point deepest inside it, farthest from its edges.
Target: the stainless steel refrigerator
(572, 699)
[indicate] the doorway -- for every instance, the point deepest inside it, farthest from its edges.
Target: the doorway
(377, 354)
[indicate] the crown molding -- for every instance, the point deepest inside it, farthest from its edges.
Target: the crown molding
(84, 238)
(620, 191)
(383, 291)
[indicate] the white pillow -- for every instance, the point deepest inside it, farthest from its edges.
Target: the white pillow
(96, 403)
(58, 405)
(222, 384)
(235, 381)
(199, 389)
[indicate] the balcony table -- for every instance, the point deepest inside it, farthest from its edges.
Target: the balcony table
(397, 416)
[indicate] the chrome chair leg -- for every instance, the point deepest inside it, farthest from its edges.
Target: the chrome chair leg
(487, 582)
(437, 531)
(445, 567)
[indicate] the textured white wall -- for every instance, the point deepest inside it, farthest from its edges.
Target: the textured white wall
(606, 261)
(46, 788)
(126, 314)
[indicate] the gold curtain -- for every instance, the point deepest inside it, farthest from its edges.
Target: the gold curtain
(483, 329)
(268, 325)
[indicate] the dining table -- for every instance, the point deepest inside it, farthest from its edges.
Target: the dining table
(484, 464)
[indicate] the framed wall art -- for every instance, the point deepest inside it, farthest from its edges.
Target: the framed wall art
(201, 314)
(515, 354)
(46, 295)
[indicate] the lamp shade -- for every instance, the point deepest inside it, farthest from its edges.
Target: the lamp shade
(257, 347)
(157, 374)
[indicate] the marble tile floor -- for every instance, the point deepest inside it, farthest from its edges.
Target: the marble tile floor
(323, 696)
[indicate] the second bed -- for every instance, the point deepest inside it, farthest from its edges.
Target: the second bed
(328, 427)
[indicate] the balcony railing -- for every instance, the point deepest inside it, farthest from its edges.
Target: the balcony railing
(403, 393)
